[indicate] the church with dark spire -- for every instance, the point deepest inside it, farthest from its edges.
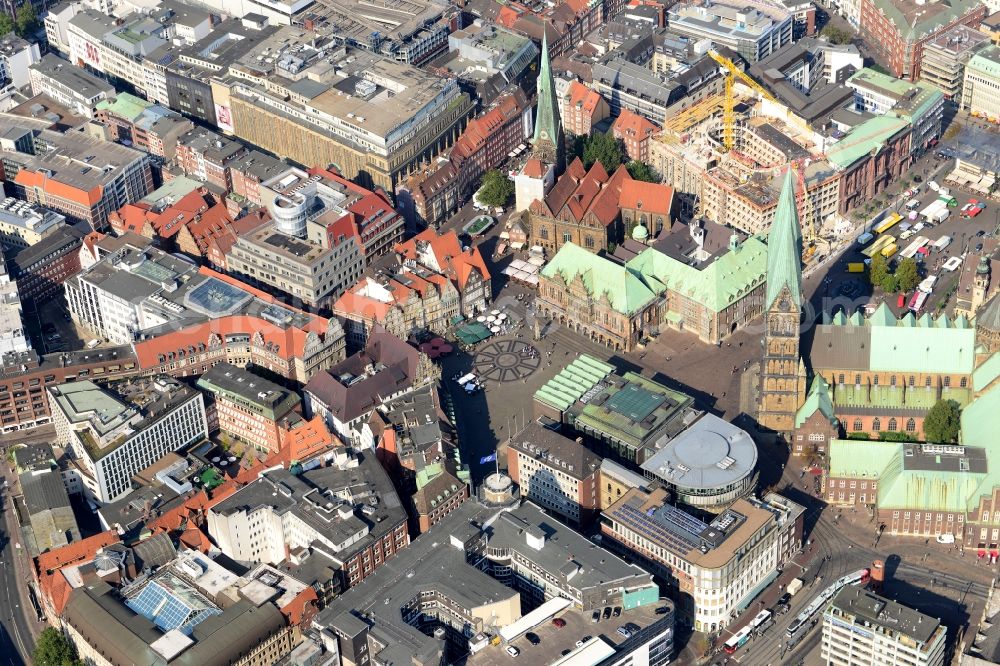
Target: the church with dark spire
(548, 143)
(783, 375)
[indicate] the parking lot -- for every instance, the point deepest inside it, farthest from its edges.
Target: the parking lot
(554, 641)
(976, 235)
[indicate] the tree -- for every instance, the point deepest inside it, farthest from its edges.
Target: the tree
(26, 22)
(878, 271)
(603, 147)
(53, 649)
(642, 171)
(890, 284)
(6, 24)
(907, 275)
(496, 189)
(943, 422)
(837, 35)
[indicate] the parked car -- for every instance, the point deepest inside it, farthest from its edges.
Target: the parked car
(558, 622)
(607, 613)
(662, 610)
(633, 627)
(513, 651)
(784, 598)
(583, 640)
(979, 247)
(945, 538)
(623, 632)
(533, 638)
(596, 616)
(617, 611)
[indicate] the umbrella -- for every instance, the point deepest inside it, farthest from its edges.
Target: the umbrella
(501, 316)
(480, 318)
(446, 349)
(495, 312)
(437, 342)
(426, 347)
(495, 329)
(216, 459)
(491, 319)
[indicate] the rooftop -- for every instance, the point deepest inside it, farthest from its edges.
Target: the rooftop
(249, 389)
(75, 79)
(869, 610)
(914, 19)
(556, 450)
(633, 411)
(710, 453)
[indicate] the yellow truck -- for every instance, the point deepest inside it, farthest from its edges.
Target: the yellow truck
(856, 267)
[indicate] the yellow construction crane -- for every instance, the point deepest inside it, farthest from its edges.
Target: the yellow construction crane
(728, 111)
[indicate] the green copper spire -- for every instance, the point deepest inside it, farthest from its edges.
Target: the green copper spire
(548, 125)
(784, 248)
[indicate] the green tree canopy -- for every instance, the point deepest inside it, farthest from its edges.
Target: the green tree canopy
(496, 189)
(837, 35)
(6, 25)
(878, 271)
(943, 422)
(906, 273)
(642, 171)
(53, 649)
(26, 22)
(603, 147)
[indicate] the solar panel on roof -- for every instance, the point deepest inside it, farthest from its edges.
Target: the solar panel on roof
(171, 604)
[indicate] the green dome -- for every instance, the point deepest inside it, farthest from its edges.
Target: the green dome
(640, 233)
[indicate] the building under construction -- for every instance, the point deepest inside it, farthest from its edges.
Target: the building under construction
(739, 186)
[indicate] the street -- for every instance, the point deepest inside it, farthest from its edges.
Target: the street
(16, 642)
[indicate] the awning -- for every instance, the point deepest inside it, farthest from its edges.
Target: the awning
(517, 246)
(504, 235)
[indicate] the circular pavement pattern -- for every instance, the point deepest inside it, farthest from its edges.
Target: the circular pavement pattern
(507, 361)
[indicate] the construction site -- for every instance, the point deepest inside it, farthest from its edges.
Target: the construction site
(727, 154)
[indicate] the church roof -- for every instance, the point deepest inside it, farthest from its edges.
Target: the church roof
(625, 291)
(547, 121)
(989, 316)
(784, 247)
(818, 399)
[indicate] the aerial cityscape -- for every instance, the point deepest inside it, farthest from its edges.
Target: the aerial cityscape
(497, 332)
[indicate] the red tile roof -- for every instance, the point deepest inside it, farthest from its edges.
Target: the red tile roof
(653, 198)
(533, 168)
(581, 193)
(73, 552)
(305, 440)
(32, 179)
(455, 263)
(132, 217)
(582, 96)
(631, 124)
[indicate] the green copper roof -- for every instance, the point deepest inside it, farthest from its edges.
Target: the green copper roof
(987, 373)
(716, 286)
(625, 291)
(125, 105)
(986, 62)
(862, 458)
(580, 376)
(929, 490)
(818, 400)
(864, 139)
(979, 421)
(547, 121)
(938, 349)
(784, 247)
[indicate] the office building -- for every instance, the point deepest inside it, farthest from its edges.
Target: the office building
(982, 79)
(714, 570)
(205, 156)
(345, 509)
(753, 30)
(861, 628)
(376, 118)
(306, 271)
(636, 133)
(709, 465)
(14, 338)
(74, 174)
(555, 472)
(582, 109)
(249, 407)
(489, 57)
(16, 57)
(22, 224)
(943, 65)
(185, 608)
(145, 125)
(346, 394)
(71, 86)
(900, 30)
(183, 319)
(114, 434)
(919, 103)
(42, 268)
